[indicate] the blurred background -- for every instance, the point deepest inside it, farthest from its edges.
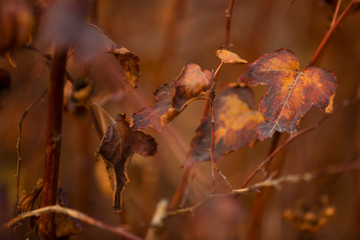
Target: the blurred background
(166, 35)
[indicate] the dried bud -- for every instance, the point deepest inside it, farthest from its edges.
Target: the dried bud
(16, 24)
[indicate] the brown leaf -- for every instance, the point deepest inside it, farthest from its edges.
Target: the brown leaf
(229, 57)
(291, 92)
(235, 124)
(116, 149)
(158, 115)
(191, 83)
(172, 98)
(129, 62)
(64, 224)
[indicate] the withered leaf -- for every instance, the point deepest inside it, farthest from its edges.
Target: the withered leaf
(227, 56)
(291, 92)
(158, 115)
(191, 83)
(64, 224)
(172, 98)
(129, 62)
(118, 145)
(235, 124)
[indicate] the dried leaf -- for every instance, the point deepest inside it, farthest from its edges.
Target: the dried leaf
(191, 83)
(129, 62)
(158, 115)
(291, 92)
(116, 149)
(235, 124)
(64, 224)
(229, 57)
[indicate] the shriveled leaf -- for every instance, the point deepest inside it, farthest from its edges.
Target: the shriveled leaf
(227, 56)
(191, 83)
(64, 224)
(172, 98)
(116, 149)
(235, 124)
(129, 62)
(291, 92)
(158, 115)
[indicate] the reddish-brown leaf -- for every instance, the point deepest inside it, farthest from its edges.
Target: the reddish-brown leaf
(229, 57)
(291, 92)
(116, 149)
(235, 124)
(158, 115)
(64, 224)
(129, 62)
(192, 84)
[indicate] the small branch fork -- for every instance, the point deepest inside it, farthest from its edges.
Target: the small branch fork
(269, 182)
(75, 214)
(269, 158)
(209, 104)
(335, 23)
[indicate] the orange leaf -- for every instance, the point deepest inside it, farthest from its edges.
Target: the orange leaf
(229, 57)
(116, 149)
(291, 92)
(235, 124)
(129, 62)
(191, 83)
(172, 98)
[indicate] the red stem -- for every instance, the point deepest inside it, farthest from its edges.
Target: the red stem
(228, 15)
(330, 32)
(335, 13)
(53, 142)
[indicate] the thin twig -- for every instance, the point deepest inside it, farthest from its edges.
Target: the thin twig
(331, 31)
(335, 13)
(345, 103)
(157, 221)
(269, 182)
(228, 14)
(18, 143)
(75, 214)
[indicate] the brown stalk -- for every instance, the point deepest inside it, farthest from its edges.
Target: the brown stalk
(269, 182)
(53, 142)
(177, 196)
(331, 31)
(74, 214)
(228, 14)
(269, 158)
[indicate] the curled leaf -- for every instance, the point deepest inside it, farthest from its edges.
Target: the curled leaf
(171, 99)
(291, 92)
(158, 115)
(116, 149)
(191, 83)
(235, 124)
(129, 62)
(227, 56)
(64, 224)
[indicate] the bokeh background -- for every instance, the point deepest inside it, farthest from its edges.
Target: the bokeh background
(166, 35)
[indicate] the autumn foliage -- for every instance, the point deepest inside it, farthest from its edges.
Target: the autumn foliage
(143, 143)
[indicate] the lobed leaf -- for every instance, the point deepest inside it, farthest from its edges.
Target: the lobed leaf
(235, 124)
(291, 92)
(172, 98)
(118, 145)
